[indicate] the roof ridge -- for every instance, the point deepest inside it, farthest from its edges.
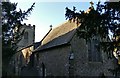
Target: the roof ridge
(61, 24)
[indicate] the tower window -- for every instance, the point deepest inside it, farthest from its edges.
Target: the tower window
(26, 35)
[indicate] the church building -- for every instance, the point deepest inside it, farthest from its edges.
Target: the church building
(63, 53)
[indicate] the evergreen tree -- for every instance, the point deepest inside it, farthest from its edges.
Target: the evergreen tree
(99, 21)
(11, 30)
(102, 21)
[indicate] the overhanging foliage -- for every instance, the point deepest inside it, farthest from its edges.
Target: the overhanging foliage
(99, 22)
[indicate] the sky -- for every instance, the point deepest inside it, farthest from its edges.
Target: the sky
(46, 13)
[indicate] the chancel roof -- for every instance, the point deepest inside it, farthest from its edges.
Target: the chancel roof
(59, 35)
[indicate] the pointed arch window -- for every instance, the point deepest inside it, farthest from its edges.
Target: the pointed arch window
(43, 70)
(94, 53)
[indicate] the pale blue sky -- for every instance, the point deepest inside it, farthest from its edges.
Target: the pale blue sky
(48, 13)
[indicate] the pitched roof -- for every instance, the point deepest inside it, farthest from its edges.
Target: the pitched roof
(35, 44)
(59, 35)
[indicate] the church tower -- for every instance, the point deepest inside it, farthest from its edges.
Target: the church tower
(28, 37)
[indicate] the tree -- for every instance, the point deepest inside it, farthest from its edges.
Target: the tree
(100, 22)
(11, 29)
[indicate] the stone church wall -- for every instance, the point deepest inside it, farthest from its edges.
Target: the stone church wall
(82, 65)
(56, 61)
